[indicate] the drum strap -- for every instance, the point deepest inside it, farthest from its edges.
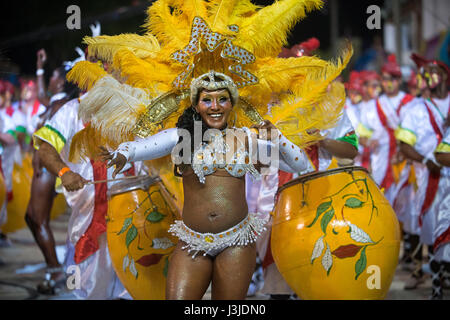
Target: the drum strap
(406, 99)
(388, 179)
(442, 239)
(36, 106)
(433, 178)
(88, 243)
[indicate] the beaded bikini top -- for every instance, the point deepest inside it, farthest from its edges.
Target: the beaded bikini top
(209, 157)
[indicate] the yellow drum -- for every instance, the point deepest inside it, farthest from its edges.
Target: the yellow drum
(140, 212)
(21, 196)
(22, 176)
(2, 191)
(335, 236)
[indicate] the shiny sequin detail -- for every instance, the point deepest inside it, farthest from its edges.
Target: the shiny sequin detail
(244, 233)
(210, 157)
(203, 38)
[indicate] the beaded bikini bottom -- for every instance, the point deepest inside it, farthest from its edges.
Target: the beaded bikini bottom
(244, 233)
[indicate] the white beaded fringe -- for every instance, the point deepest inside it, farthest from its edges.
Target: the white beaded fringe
(242, 237)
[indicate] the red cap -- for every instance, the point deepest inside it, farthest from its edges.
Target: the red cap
(421, 61)
(27, 83)
(354, 82)
(6, 86)
(392, 67)
(305, 48)
(368, 75)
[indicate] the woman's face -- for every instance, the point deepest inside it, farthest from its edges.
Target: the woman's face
(214, 107)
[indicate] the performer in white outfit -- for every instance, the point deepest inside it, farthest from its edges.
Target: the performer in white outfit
(14, 123)
(7, 139)
(420, 133)
(382, 117)
(440, 267)
(371, 90)
(87, 245)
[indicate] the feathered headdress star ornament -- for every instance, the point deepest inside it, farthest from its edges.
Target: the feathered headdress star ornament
(149, 85)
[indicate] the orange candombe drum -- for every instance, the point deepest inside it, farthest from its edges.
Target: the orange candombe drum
(140, 211)
(335, 236)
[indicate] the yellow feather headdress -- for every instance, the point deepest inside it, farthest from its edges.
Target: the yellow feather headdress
(187, 38)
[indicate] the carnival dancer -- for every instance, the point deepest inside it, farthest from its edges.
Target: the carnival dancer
(42, 191)
(382, 118)
(393, 104)
(413, 88)
(211, 80)
(15, 125)
(441, 235)
(420, 132)
(31, 106)
(353, 108)
(371, 89)
(7, 139)
(354, 97)
(87, 245)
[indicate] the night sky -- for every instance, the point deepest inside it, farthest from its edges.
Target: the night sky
(29, 25)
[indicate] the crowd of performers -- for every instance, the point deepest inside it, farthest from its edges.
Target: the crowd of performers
(401, 137)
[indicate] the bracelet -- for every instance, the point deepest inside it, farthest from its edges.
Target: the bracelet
(63, 171)
(40, 72)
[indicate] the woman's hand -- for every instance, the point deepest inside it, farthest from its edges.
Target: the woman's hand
(265, 130)
(41, 59)
(119, 160)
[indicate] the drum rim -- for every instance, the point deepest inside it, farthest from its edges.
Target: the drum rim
(313, 175)
(152, 179)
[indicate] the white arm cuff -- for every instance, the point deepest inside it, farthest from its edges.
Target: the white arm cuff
(290, 157)
(153, 147)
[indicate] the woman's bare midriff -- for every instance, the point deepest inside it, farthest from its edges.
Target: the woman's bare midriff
(215, 206)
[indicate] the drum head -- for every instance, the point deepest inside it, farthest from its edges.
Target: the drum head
(137, 183)
(314, 175)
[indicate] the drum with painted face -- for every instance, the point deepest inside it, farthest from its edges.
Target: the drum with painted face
(335, 236)
(140, 211)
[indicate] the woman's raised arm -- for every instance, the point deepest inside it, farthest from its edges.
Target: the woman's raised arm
(153, 147)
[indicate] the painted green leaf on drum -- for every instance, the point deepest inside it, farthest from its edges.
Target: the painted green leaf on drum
(327, 217)
(361, 264)
(353, 203)
(126, 224)
(320, 209)
(166, 267)
(155, 217)
(131, 235)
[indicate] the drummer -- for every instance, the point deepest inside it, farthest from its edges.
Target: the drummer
(87, 244)
(13, 128)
